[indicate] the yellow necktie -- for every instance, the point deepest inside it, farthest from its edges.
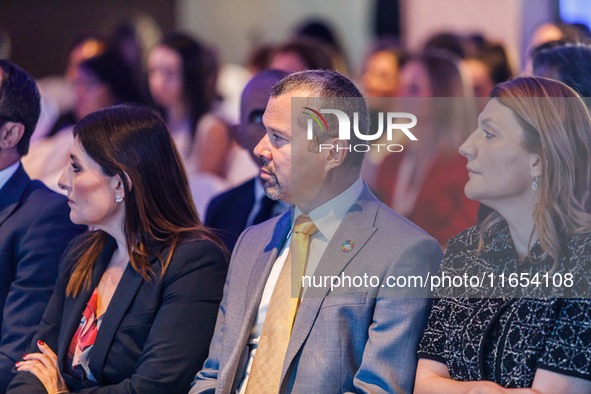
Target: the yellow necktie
(265, 374)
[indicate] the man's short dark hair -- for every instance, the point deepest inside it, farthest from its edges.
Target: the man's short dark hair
(335, 91)
(19, 101)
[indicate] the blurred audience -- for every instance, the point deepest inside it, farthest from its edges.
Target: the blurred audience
(182, 75)
(488, 66)
(301, 54)
(259, 58)
(569, 63)
(551, 33)
(380, 76)
(99, 82)
(247, 204)
(323, 32)
(447, 41)
(57, 92)
(425, 182)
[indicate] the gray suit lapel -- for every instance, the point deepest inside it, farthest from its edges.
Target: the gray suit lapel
(257, 280)
(358, 225)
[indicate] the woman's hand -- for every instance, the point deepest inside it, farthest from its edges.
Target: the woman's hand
(44, 366)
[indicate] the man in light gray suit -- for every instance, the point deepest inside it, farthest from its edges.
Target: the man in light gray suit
(353, 336)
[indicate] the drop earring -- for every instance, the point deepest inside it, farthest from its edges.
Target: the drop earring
(534, 183)
(118, 199)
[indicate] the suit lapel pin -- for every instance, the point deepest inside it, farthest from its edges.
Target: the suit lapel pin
(347, 246)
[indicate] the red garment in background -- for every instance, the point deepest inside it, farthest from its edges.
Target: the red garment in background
(441, 209)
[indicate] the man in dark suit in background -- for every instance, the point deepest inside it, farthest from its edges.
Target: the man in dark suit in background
(246, 204)
(35, 227)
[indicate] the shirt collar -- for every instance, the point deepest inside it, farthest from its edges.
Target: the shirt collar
(329, 215)
(7, 173)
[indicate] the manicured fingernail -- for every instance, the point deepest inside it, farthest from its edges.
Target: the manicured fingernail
(24, 355)
(40, 342)
(17, 363)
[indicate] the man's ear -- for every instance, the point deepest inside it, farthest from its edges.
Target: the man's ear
(337, 153)
(535, 164)
(10, 134)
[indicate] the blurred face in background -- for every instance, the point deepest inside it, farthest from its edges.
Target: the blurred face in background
(81, 52)
(165, 76)
(252, 107)
(414, 80)
(290, 62)
(91, 93)
(480, 75)
(415, 83)
(381, 75)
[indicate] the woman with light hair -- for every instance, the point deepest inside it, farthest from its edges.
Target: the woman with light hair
(529, 160)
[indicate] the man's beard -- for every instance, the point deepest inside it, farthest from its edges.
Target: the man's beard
(274, 192)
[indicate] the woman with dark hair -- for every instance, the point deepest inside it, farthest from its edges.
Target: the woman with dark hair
(529, 160)
(136, 302)
(182, 75)
(102, 81)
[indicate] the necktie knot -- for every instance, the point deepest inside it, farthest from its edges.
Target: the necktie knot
(304, 225)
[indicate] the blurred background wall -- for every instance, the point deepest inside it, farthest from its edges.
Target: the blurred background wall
(41, 32)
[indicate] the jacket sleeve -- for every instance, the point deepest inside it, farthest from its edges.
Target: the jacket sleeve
(390, 356)
(48, 331)
(36, 259)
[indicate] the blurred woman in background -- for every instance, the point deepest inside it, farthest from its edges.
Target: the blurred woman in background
(182, 76)
(99, 82)
(425, 181)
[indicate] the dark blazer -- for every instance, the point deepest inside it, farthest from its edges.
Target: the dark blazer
(228, 212)
(154, 335)
(35, 229)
